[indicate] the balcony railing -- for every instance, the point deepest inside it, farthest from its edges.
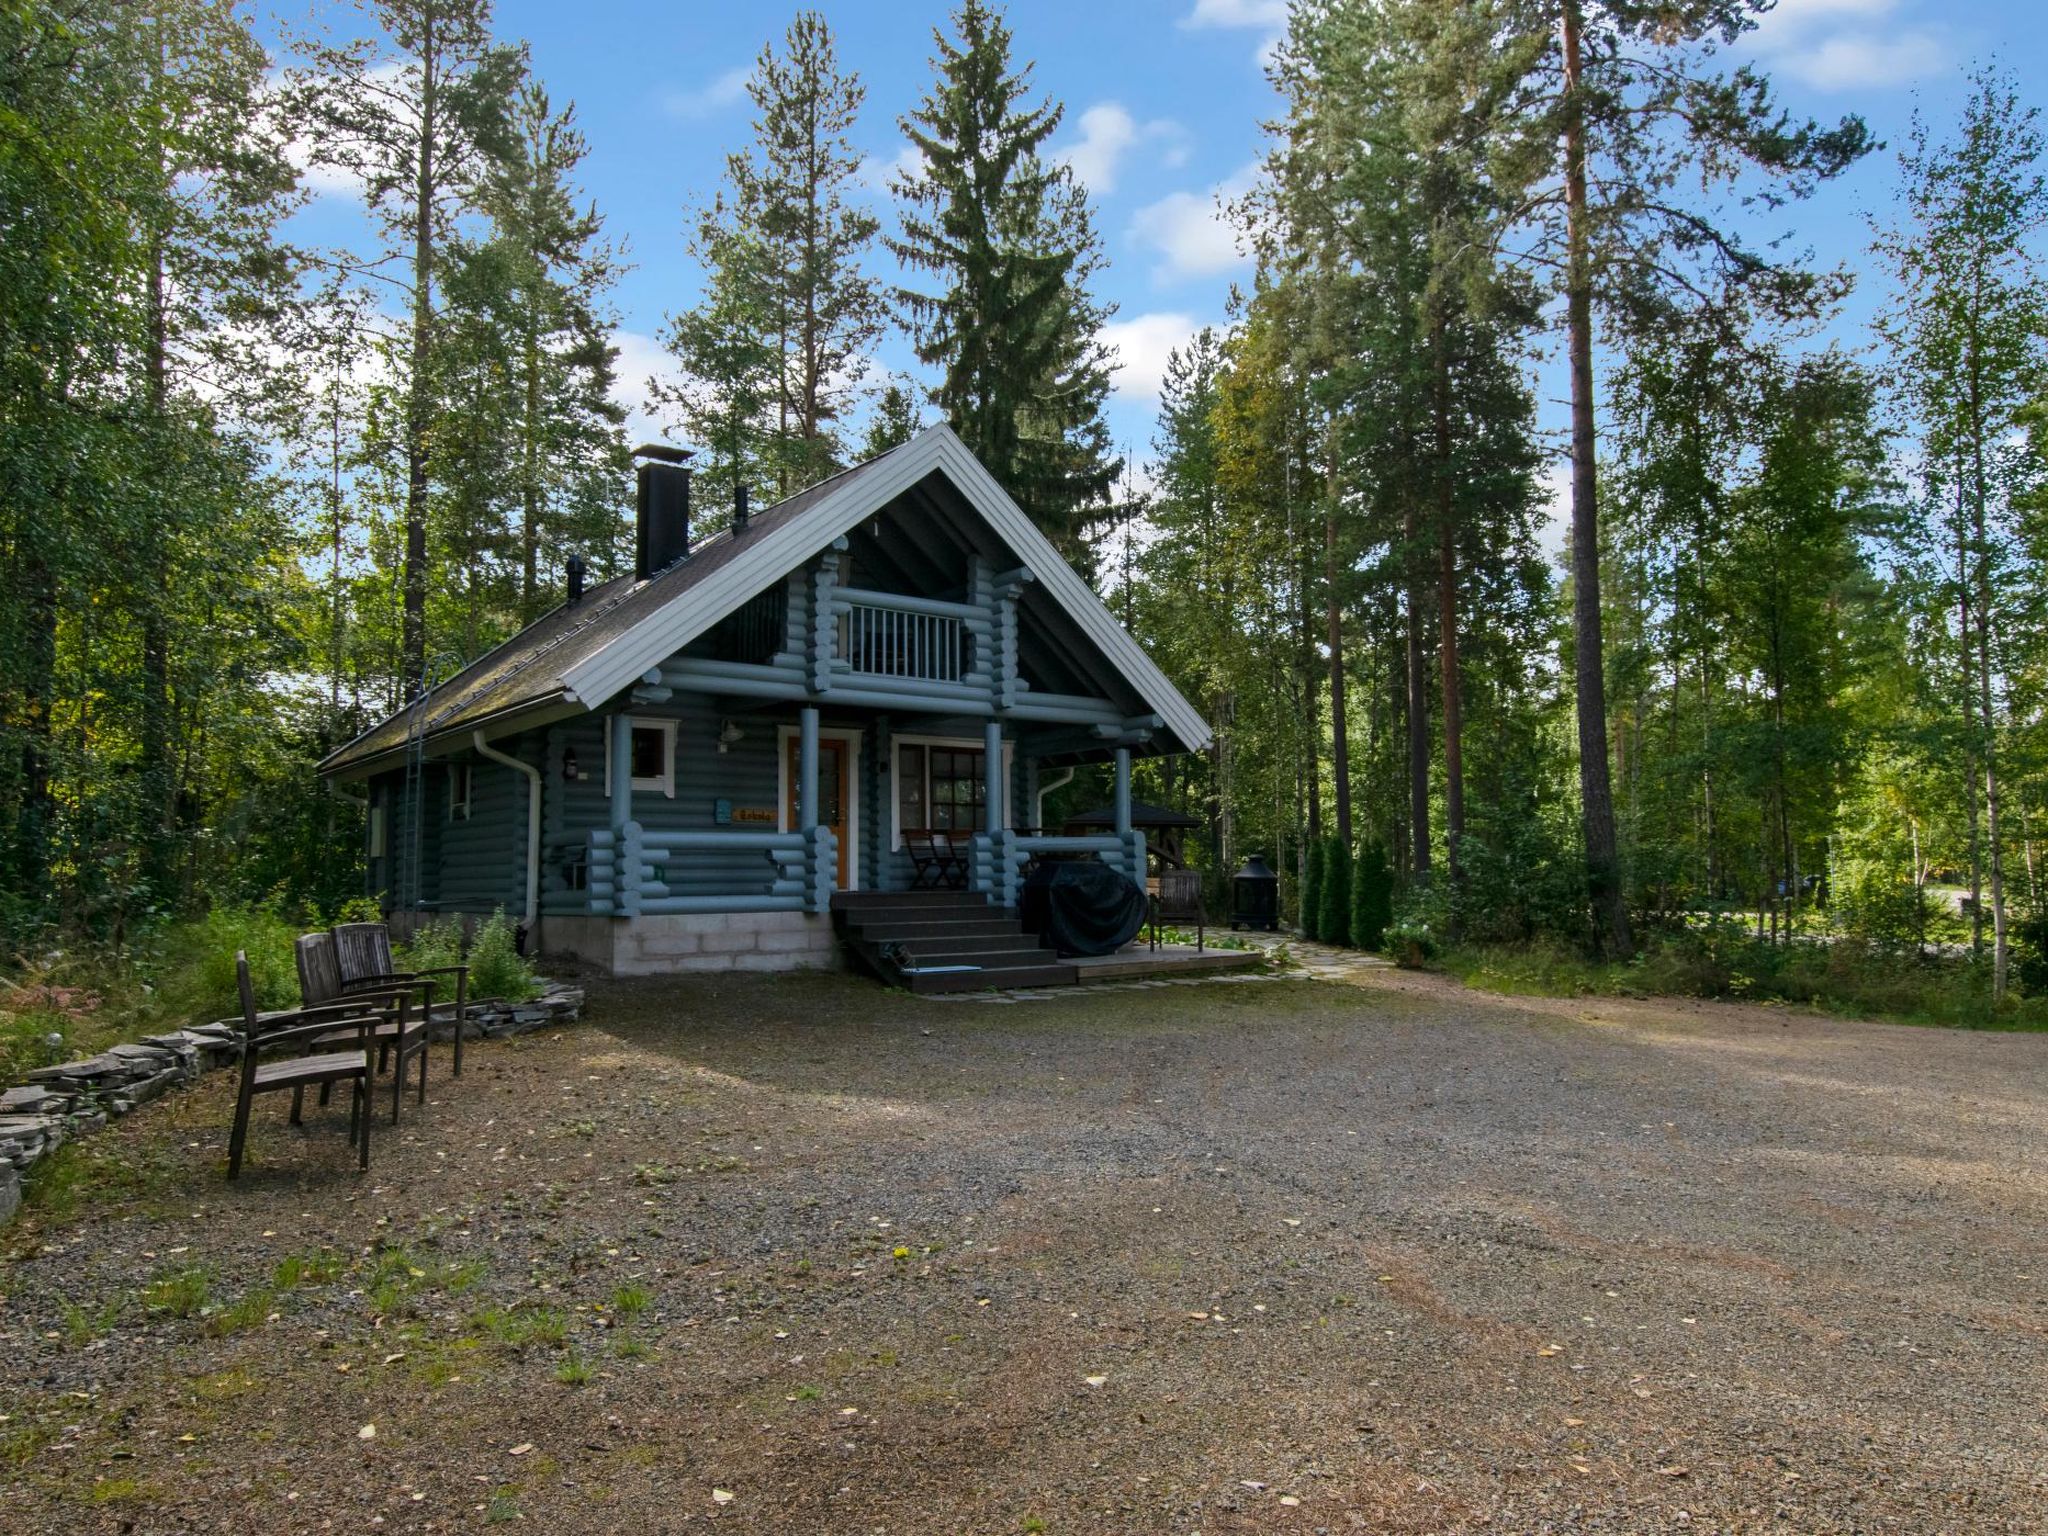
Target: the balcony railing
(903, 642)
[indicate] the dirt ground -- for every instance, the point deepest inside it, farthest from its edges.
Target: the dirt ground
(801, 1255)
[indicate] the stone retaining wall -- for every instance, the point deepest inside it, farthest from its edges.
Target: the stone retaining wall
(55, 1104)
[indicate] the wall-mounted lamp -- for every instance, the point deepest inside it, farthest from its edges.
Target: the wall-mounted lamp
(569, 769)
(729, 733)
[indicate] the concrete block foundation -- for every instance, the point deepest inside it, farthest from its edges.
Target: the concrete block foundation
(680, 943)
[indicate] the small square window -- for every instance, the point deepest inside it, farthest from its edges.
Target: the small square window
(461, 780)
(654, 757)
(650, 752)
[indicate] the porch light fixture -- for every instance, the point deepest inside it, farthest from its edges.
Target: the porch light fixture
(569, 769)
(729, 733)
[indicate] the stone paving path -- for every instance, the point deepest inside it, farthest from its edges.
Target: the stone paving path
(1304, 961)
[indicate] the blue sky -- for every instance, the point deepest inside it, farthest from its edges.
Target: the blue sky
(1165, 100)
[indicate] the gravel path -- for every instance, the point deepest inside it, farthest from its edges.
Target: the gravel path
(799, 1255)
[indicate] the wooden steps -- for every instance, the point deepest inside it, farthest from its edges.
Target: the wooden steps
(944, 941)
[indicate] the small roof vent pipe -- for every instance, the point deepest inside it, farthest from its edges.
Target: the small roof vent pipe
(662, 529)
(574, 573)
(739, 507)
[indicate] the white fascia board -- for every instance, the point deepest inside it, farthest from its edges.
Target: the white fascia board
(774, 555)
(1072, 593)
(768, 558)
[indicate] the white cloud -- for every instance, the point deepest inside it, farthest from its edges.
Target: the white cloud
(1190, 231)
(1108, 134)
(1142, 344)
(876, 173)
(1838, 45)
(1554, 521)
(708, 100)
(641, 360)
(1237, 13)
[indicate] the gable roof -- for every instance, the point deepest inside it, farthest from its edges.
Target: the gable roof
(578, 656)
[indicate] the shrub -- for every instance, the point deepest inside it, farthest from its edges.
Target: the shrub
(433, 945)
(198, 960)
(1410, 941)
(496, 968)
(1335, 927)
(1372, 896)
(1312, 892)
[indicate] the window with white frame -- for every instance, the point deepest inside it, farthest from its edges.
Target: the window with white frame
(941, 786)
(461, 782)
(376, 832)
(654, 757)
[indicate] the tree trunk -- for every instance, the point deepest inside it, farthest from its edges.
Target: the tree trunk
(1418, 704)
(1447, 611)
(413, 632)
(1333, 623)
(1596, 797)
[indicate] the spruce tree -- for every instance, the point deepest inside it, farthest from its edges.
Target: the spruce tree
(1312, 891)
(1335, 924)
(1009, 242)
(1372, 895)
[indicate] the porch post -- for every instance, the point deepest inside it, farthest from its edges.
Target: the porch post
(625, 831)
(820, 857)
(992, 771)
(995, 877)
(807, 768)
(1133, 845)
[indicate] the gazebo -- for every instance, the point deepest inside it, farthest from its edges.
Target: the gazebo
(1164, 830)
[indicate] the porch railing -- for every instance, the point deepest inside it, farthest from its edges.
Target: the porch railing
(652, 873)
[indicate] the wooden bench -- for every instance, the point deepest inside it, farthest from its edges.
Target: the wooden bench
(399, 1031)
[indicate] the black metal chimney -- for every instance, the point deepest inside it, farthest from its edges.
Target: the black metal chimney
(575, 575)
(739, 508)
(663, 533)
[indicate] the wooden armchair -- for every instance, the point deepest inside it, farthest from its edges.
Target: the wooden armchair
(1178, 899)
(307, 1046)
(362, 952)
(400, 1033)
(936, 862)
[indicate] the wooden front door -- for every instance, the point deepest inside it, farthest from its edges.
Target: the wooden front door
(834, 782)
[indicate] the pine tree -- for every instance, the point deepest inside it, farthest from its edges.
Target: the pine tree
(799, 176)
(419, 140)
(1594, 109)
(543, 279)
(1009, 240)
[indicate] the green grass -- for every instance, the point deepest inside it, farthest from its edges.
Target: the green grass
(516, 1327)
(251, 1311)
(178, 1293)
(319, 1268)
(82, 1325)
(1843, 977)
(574, 1370)
(629, 1301)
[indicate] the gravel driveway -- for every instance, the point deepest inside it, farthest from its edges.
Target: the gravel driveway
(800, 1255)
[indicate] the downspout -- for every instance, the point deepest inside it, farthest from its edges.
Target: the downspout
(485, 749)
(1038, 803)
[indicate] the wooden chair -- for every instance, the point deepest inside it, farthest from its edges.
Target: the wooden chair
(325, 1045)
(1178, 899)
(935, 860)
(400, 1033)
(362, 953)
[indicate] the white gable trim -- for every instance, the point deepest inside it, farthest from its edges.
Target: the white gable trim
(770, 556)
